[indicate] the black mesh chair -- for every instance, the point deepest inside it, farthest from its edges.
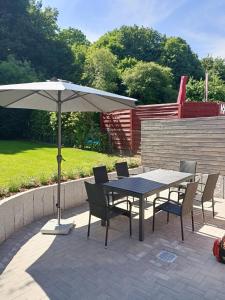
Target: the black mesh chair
(176, 208)
(101, 176)
(208, 192)
(99, 207)
(122, 169)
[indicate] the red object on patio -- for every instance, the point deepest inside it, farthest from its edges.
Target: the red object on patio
(124, 127)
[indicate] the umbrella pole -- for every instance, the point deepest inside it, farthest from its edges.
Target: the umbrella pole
(59, 158)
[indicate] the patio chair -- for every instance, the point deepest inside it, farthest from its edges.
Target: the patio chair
(122, 169)
(208, 192)
(176, 208)
(186, 166)
(100, 207)
(101, 176)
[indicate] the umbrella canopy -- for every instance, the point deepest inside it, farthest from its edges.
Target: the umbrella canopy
(61, 96)
(73, 97)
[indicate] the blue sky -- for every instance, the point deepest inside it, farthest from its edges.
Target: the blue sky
(200, 22)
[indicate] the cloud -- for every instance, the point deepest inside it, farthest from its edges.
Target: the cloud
(208, 43)
(129, 12)
(146, 12)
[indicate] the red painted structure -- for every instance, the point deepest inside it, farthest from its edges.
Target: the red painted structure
(124, 127)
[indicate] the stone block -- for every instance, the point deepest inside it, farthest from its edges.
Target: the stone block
(48, 201)
(2, 225)
(70, 194)
(18, 211)
(38, 203)
(28, 207)
(7, 215)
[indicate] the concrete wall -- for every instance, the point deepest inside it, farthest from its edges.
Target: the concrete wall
(165, 142)
(24, 208)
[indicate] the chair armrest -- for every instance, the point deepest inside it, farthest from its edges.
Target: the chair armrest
(160, 198)
(122, 201)
(177, 192)
(121, 177)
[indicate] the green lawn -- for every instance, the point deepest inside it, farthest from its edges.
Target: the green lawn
(27, 164)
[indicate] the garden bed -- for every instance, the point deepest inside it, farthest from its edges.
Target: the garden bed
(26, 165)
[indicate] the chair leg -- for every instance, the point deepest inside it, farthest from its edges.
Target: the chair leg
(182, 230)
(213, 207)
(203, 213)
(89, 225)
(106, 233)
(153, 220)
(168, 217)
(192, 220)
(130, 222)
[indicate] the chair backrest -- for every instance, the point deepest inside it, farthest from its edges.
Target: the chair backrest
(122, 169)
(210, 186)
(187, 203)
(188, 166)
(100, 174)
(97, 200)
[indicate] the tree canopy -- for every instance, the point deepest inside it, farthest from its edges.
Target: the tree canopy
(178, 55)
(133, 41)
(149, 81)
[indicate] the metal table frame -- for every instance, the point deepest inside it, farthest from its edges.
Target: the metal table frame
(146, 184)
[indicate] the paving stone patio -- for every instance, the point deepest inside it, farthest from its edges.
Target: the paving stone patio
(36, 266)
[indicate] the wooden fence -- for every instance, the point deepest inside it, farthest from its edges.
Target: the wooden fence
(124, 127)
(165, 142)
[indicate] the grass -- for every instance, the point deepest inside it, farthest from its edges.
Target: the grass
(25, 164)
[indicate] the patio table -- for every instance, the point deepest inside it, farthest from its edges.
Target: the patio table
(146, 184)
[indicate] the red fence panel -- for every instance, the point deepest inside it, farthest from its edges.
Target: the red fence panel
(199, 109)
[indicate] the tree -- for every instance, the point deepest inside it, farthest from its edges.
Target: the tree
(216, 89)
(14, 122)
(149, 83)
(178, 55)
(76, 40)
(73, 36)
(214, 66)
(29, 32)
(126, 63)
(138, 42)
(100, 70)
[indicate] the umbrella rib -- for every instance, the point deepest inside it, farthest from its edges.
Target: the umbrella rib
(17, 100)
(74, 96)
(116, 101)
(99, 109)
(48, 97)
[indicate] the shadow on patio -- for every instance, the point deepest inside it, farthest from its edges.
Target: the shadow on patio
(72, 267)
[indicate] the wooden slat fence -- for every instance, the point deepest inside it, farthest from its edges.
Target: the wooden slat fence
(165, 142)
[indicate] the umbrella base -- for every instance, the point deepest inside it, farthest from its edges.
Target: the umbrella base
(52, 227)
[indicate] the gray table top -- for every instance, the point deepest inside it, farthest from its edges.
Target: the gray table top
(148, 183)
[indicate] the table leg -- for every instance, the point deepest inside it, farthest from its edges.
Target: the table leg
(141, 218)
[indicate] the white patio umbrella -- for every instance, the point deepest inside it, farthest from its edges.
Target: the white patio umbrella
(61, 96)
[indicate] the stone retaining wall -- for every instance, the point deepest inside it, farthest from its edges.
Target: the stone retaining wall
(24, 208)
